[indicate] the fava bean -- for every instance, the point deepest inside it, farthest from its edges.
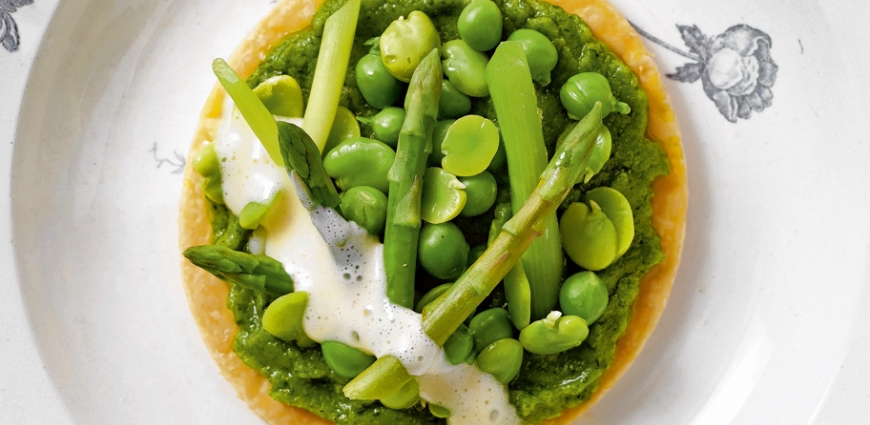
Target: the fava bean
(206, 164)
(452, 103)
(588, 236)
(344, 127)
(490, 326)
(480, 192)
(584, 295)
(600, 152)
(469, 145)
(442, 250)
(581, 91)
(281, 95)
(540, 53)
(460, 346)
(554, 334)
(465, 68)
(379, 88)
(344, 360)
(405, 397)
(502, 359)
(439, 411)
(365, 206)
(480, 25)
(443, 196)
(386, 125)
(618, 210)
(406, 42)
(283, 318)
(360, 161)
(254, 212)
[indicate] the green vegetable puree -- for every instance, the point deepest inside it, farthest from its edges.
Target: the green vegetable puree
(547, 384)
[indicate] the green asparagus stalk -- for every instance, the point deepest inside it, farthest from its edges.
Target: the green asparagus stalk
(444, 315)
(338, 33)
(300, 154)
(515, 101)
(516, 283)
(402, 229)
(255, 113)
(257, 272)
(386, 377)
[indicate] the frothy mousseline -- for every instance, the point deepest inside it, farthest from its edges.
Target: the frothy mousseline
(347, 292)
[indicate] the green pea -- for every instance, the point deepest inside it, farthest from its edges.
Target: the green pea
(588, 236)
(540, 53)
(480, 25)
(475, 253)
(618, 210)
(281, 95)
(438, 134)
(469, 145)
(439, 411)
(584, 295)
(283, 318)
(452, 103)
(432, 295)
(581, 91)
(379, 88)
(405, 397)
(490, 326)
(500, 158)
(442, 250)
(554, 334)
(443, 196)
(459, 346)
(206, 164)
(502, 359)
(465, 68)
(365, 206)
(480, 191)
(600, 152)
(344, 360)
(360, 161)
(406, 42)
(254, 213)
(386, 125)
(344, 127)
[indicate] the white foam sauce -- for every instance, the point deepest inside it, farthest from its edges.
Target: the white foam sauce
(347, 296)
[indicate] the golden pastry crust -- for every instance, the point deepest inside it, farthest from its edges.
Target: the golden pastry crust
(207, 295)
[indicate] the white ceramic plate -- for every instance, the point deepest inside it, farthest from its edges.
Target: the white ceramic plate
(768, 319)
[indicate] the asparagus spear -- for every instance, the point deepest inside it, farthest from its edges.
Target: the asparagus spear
(252, 109)
(515, 102)
(301, 155)
(257, 272)
(317, 194)
(335, 49)
(402, 229)
(516, 283)
(444, 315)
